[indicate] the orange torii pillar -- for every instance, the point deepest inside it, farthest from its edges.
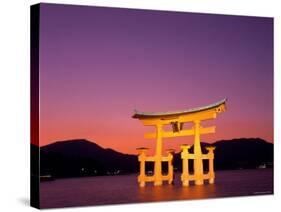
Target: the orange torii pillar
(170, 165)
(141, 158)
(211, 164)
(198, 162)
(143, 178)
(158, 156)
(185, 169)
(186, 177)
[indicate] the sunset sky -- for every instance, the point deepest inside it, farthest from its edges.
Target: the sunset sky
(99, 64)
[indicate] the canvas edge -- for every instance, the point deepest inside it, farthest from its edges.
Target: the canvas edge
(34, 106)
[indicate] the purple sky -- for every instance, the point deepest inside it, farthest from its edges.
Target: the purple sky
(99, 64)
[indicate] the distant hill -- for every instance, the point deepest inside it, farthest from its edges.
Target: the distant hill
(242, 153)
(84, 158)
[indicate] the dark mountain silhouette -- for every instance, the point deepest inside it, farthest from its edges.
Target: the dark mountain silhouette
(241, 153)
(84, 158)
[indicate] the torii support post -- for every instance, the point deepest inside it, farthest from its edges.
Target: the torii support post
(142, 158)
(170, 165)
(158, 157)
(211, 164)
(185, 168)
(198, 162)
(186, 177)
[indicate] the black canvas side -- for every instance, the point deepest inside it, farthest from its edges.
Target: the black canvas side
(34, 106)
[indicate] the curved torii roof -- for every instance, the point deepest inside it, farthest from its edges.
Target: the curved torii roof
(140, 115)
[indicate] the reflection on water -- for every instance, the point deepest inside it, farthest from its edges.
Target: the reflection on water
(124, 189)
(175, 192)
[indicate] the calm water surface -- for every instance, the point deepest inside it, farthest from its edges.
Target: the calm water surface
(124, 189)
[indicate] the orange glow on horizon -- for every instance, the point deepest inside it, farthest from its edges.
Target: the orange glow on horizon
(126, 138)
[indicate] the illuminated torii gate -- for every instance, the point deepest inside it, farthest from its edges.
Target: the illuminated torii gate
(177, 120)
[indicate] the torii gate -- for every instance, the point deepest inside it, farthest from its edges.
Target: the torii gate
(177, 120)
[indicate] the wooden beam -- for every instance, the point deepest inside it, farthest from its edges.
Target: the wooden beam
(149, 178)
(153, 122)
(171, 134)
(201, 116)
(150, 159)
(207, 130)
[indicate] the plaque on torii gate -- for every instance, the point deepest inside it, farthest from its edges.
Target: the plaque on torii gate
(177, 119)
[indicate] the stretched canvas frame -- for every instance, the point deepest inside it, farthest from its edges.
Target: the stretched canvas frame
(92, 68)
